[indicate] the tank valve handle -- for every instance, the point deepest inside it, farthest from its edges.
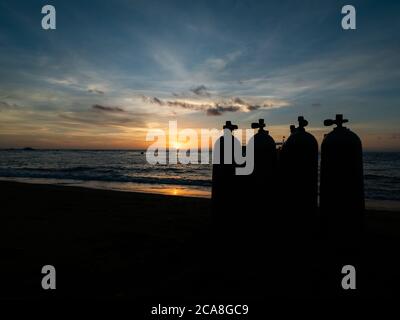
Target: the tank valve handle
(338, 121)
(302, 122)
(230, 126)
(258, 125)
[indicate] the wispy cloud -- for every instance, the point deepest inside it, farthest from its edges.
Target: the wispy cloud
(201, 91)
(216, 108)
(219, 110)
(220, 63)
(171, 63)
(7, 106)
(99, 107)
(104, 116)
(95, 91)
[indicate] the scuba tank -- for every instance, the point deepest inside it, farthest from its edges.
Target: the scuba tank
(226, 233)
(342, 203)
(223, 172)
(299, 170)
(299, 204)
(260, 186)
(342, 184)
(261, 219)
(223, 180)
(264, 157)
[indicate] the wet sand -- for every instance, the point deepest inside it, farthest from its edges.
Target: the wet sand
(110, 244)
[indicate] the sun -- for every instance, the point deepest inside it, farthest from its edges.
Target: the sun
(176, 145)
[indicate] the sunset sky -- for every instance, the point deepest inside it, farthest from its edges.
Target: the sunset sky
(112, 70)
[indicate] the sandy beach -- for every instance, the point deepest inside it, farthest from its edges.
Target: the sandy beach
(110, 244)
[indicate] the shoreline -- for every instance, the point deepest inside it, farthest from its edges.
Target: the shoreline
(168, 190)
(161, 189)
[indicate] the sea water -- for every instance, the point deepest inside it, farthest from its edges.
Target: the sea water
(128, 170)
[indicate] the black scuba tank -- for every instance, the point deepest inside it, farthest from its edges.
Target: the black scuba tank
(298, 165)
(260, 189)
(223, 174)
(299, 173)
(265, 156)
(342, 184)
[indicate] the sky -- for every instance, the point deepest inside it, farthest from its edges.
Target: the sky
(113, 70)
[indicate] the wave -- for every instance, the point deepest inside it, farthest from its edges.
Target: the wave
(69, 175)
(109, 168)
(391, 179)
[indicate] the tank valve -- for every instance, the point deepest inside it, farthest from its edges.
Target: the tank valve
(338, 121)
(230, 126)
(258, 125)
(302, 122)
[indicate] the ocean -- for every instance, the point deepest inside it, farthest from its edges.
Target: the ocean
(129, 171)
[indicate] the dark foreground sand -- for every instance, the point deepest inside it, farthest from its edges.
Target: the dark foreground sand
(107, 244)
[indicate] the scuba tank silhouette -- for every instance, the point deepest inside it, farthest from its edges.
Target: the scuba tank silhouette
(265, 159)
(342, 184)
(299, 173)
(299, 204)
(261, 223)
(260, 186)
(342, 203)
(226, 201)
(223, 177)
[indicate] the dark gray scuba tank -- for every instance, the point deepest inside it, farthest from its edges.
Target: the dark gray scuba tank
(342, 184)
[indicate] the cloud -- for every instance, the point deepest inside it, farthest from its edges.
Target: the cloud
(201, 91)
(7, 106)
(85, 82)
(92, 117)
(152, 100)
(96, 91)
(395, 136)
(239, 101)
(214, 108)
(253, 108)
(248, 106)
(187, 105)
(68, 81)
(219, 110)
(173, 103)
(171, 62)
(107, 108)
(221, 63)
